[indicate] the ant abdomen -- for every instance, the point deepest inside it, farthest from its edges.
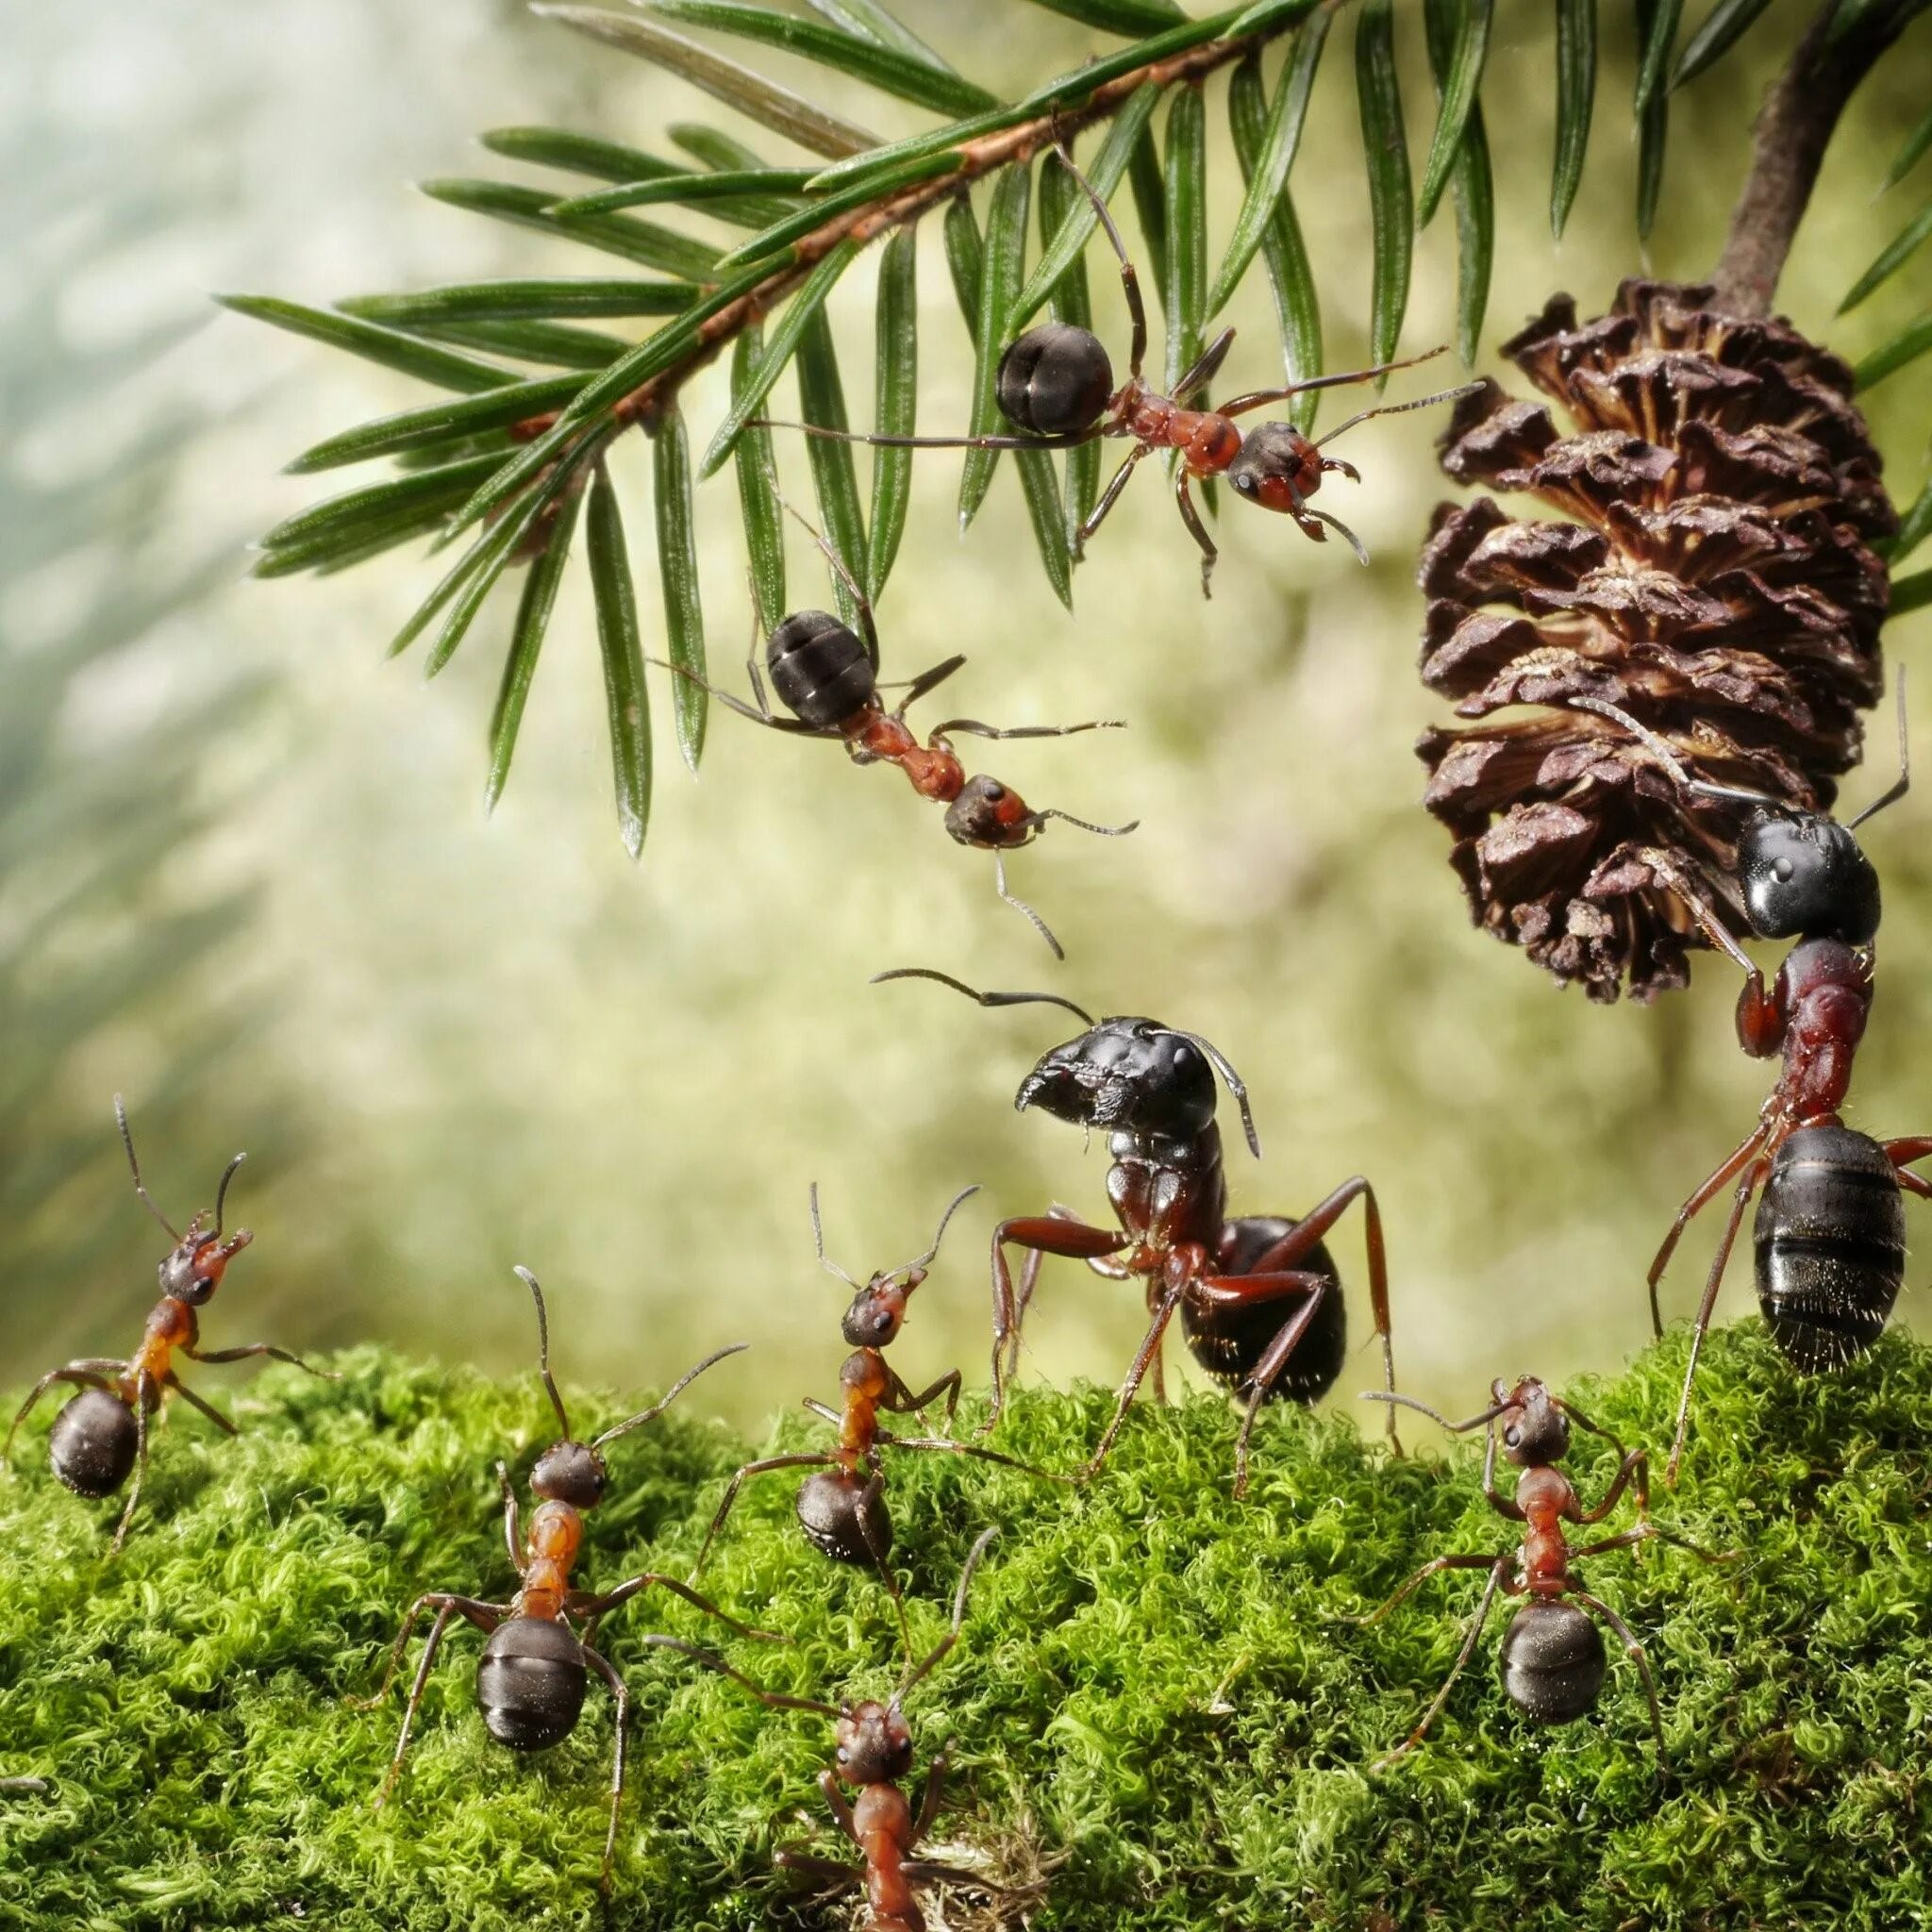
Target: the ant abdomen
(1830, 1240)
(820, 669)
(1054, 381)
(843, 1516)
(1229, 1342)
(530, 1683)
(1552, 1661)
(92, 1443)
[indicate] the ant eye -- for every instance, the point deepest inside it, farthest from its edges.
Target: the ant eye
(1783, 869)
(1512, 1435)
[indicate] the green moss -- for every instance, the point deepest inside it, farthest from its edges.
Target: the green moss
(1160, 1691)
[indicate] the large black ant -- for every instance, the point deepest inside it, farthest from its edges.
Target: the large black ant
(534, 1670)
(873, 1751)
(1830, 1235)
(842, 1508)
(827, 678)
(1552, 1661)
(1055, 385)
(102, 1432)
(1258, 1297)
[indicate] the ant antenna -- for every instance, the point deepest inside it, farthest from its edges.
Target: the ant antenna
(1019, 904)
(530, 1282)
(222, 1192)
(670, 1395)
(1665, 755)
(1354, 542)
(1436, 1415)
(1087, 824)
(1225, 1066)
(860, 601)
(952, 1636)
(940, 1235)
(146, 1201)
(1442, 395)
(818, 1240)
(1904, 782)
(983, 999)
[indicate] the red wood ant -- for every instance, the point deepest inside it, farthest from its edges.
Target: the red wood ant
(102, 1432)
(1552, 1659)
(873, 1753)
(1055, 385)
(1258, 1298)
(1830, 1235)
(534, 1670)
(827, 678)
(842, 1508)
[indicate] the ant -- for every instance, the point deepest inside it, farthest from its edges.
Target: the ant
(534, 1670)
(827, 678)
(102, 1432)
(1552, 1661)
(1258, 1297)
(873, 1753)
(1055, 385)
(1829, 1234)
(842, 1508)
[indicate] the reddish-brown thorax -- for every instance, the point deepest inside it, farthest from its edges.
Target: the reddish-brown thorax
(1166, 1206)
(1207, 442)
(1547, 1500)
(550, 1547)
(863, 1382)
(883, 1821)
(171, 1324)
(1816, 1015)
(873, 734)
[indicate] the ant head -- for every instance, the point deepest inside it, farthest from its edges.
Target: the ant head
(1054, 379)
(572, 1473)
(1136, 1075)
(1535, 1430)
(192, 1270)
(1805, 875)
(820, 670)
(990, 815)
(1277, 467)
(878, 1309)
(875, 1743)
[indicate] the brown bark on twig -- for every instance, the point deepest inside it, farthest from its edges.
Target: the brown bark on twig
(1793, 127)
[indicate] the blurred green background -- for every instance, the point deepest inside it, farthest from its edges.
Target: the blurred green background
(246, 874)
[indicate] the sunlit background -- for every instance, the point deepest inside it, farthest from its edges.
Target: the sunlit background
(246, 878)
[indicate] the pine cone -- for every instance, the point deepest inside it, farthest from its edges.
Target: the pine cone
(1717, 582)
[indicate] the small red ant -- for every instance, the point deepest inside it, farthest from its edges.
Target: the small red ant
(1553, 1658)
(1055, 384)
(102, 1432)
(826, 676)
(534, 1670)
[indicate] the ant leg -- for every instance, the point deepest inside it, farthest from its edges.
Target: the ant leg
(596, 1607)
(620, 1694)
(1633, 1650)
(928, 680)
(512, 1529)
(831, 1875)
(1632, 1473)
(778, 1700)
(1902, 1153)
(1760, 1026)
(868, 1506)
(1196, 528)
(1915, 1184)
(1108, 497)
(929, 1798)
(1260, 398)
(797, 726)
(1150, 1347)
(1131, 280)
(1719, 1178)
(214, 1415)
(1647, 1531)
(925, 1870)
(1739, 1199)
(256, 1348)
(900, 1399)
(818, 1461)
(1497, 1570)
(835, 1800)
(1230, 1291)
(1206, 367)
(822, 1410)
(972, 1449)
(92, 1372)
(1077, 1241)
(144, 1386)
(396, 1653)
(1019, 904)
(1431, 1568)
(979, 730)
(446, 1608)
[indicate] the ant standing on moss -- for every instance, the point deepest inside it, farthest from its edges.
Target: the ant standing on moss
(1055, 385)
(102, 1432)
(534, 1670)
(1553, 1658)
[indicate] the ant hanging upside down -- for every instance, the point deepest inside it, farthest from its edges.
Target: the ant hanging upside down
(1055, 385)
(1259, 1299)
(102, 1432)
(828, 679)
(1830, 1233)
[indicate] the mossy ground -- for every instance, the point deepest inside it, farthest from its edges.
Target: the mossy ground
(1160, 1693)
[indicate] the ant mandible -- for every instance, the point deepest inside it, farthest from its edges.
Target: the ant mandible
(1552, 1661)
(534, 1668)
(1830, 1235)
(1258, 1297)
(1055, 385)
(873, 1751)
(843, 1508)
(827, 678)
(102, 1432)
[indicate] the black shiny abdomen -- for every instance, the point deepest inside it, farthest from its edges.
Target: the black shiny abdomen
(1054, 379)
(530, 1683)
(820, 669)
(1552, 1661)
(1830, 1239)
(1229, 1345)
(838, 1523)
(93, 1442)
